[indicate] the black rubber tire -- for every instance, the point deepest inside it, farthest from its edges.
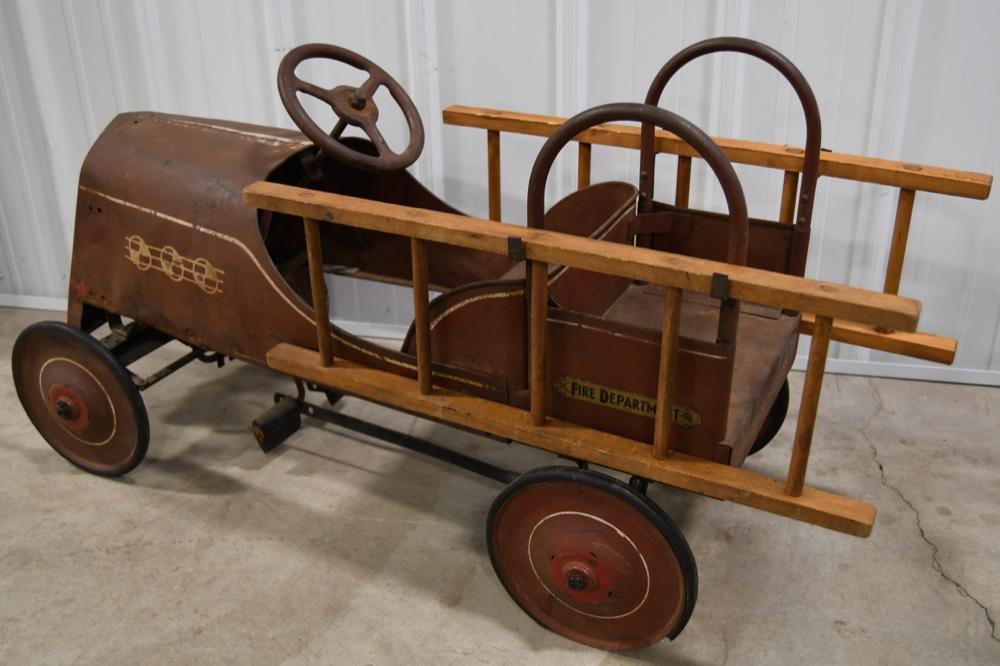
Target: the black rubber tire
(775, 419)
(657, 518)
(129, 409)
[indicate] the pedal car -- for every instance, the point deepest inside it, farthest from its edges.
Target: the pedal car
(652, 339)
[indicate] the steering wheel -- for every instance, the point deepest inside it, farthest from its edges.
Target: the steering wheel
(353, 106)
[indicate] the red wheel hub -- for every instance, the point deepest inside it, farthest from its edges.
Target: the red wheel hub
(588, 564)
(68, 406)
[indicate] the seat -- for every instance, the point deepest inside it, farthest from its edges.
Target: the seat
(766, 343)
(604, 212)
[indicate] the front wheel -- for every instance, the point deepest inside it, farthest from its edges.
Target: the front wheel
(591, 559)
(80, 398)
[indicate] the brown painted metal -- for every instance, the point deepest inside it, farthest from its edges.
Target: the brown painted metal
(652, 116)
(162, 236)
(197, 265)
(604, 211)
(374, 254)
(353, 106)
(477, 347)
(686, 131)
(699, 233)
(159, 194)
(799, 243)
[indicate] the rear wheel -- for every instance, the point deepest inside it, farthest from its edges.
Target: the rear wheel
(80, 398)
(591, 559)
(773, 422)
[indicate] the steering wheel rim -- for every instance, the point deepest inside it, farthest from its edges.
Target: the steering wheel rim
(352, 106)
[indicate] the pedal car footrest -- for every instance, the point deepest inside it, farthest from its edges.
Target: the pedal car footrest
(277, 424)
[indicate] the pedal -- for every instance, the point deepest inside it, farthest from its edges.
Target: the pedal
(276, 424)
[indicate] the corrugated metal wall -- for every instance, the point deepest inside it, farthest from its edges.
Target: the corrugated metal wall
(905, 80)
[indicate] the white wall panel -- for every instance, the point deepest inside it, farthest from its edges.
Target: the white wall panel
(902, 80)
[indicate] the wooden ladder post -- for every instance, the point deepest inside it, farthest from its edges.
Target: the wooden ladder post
(539, 323)
(789, 188)
(493, 170)
(583, 166)
(683, 189)
(421, 324)
(666, 380)
(900, 232)
(810, 403)
(317, 282)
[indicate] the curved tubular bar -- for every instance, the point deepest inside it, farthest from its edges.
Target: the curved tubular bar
(352, 106)
(653, 116)
(810, 168)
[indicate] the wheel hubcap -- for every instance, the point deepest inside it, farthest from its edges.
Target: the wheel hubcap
(69, 407)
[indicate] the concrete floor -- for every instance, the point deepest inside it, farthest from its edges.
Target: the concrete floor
(335, 550)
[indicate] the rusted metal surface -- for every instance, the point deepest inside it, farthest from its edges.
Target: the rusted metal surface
(717, 161)
(175, 183)
(372, 253)
(194, 263)
(352, 106)
(736, 241)
(798, 243)
(604, 211)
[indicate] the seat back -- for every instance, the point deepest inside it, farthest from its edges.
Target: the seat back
(603, 211)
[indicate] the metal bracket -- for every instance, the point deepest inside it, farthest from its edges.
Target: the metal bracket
(720, 286)
(143, 383)
(515, 248)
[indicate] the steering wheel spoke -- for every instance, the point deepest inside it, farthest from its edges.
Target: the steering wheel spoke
(371, 129)
(339, 128)
(371, 85)
(313, 90)
(353, 106)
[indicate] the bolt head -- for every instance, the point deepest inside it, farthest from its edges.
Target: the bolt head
(64, 408)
